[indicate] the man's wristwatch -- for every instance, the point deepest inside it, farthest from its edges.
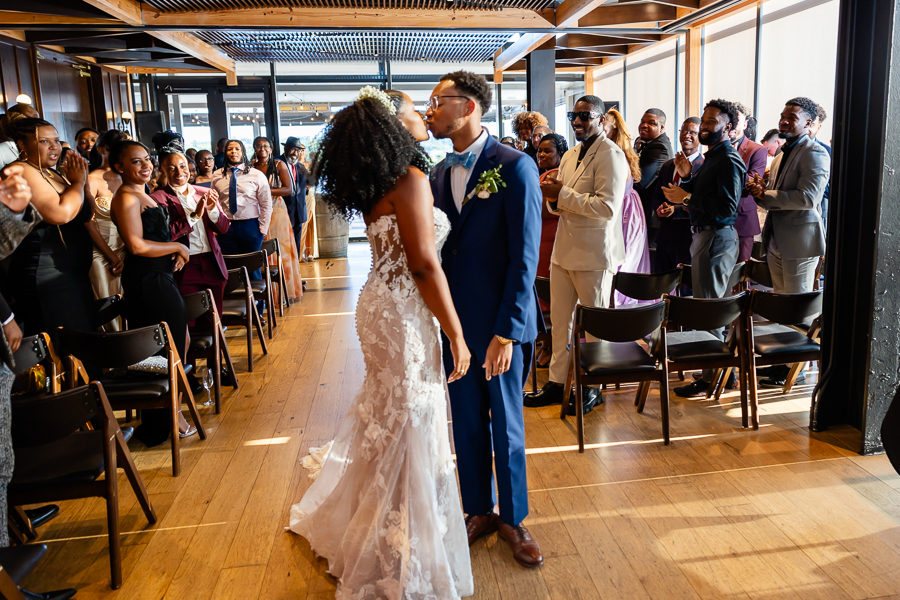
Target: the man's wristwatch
(504, 341)
(687, 199)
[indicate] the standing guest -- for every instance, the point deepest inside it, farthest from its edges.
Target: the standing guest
(49, 272)
(711, 197)
(205, 166)
(773, 143)
(634, 228)
(588, 195)
(750, 131)
(813, 132)
(191, 153)
(151, 259)
(754, 157)
(537, 134)
(220, 153)
(523, 124)
(278, 174)
(109, 249)
(296, 201)
(494, 241)
(654, 148)
(85, 139)
(9, 152)
(673, 241)
(508, 141)
(245, 196)
(192, 168)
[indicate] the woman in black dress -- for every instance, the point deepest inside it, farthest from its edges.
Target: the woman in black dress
(151, 258)
(49, 271)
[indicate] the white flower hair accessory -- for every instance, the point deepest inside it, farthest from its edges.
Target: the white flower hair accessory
(378, 96)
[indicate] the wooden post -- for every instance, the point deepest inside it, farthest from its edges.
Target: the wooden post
(692, 52)
(589, 81)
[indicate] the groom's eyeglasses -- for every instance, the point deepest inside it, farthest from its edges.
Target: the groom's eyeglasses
(435, 100)
(584, 115)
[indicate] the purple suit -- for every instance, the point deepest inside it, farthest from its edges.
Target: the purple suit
(747, 223)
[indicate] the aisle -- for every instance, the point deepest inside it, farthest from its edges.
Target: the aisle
(722, 513)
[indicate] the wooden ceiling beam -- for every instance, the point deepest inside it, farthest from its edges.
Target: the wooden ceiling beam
(622, 14)
(130, 12)
(692, 4)
(525, 44)
(289, 17)
(578, 54)
(570, 11)
(8, 17)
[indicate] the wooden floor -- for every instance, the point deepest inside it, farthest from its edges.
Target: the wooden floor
(721, 513)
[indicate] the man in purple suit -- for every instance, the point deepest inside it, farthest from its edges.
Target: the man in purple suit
(754, 155)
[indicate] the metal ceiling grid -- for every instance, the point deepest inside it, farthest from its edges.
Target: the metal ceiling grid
(215, 5)
(259, 46)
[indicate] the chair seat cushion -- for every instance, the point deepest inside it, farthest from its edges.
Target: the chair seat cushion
(696, 346)
(598, 358)
(783, 341)
(201, 343)
(234, 309)
(77, 458)
(129, 389)
(257, 285)
(19, 561)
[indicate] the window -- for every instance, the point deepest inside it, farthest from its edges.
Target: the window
(650, 83)
(729, 59)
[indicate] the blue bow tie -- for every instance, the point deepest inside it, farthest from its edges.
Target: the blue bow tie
(466, 160)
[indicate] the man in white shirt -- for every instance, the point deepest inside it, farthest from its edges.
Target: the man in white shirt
(588, 196)
(246, 198)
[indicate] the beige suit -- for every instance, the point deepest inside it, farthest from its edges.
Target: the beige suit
(590, 244)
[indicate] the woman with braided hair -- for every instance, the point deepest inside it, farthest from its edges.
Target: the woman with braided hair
(384, 510)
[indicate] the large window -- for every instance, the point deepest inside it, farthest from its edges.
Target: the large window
(729, 59)
(650, 83)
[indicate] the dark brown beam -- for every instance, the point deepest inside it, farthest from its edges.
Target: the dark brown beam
(586, 40)
(692, 4)
(628, 13)
(578, 54)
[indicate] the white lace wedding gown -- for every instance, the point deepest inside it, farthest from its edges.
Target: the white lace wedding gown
(385, 509)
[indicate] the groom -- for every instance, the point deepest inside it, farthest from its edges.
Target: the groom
(490, 259)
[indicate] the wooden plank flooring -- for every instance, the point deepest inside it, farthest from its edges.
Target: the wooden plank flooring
(721, 513)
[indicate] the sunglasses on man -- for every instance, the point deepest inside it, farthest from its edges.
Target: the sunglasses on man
(584, 115)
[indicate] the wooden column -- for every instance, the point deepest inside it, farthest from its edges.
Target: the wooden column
(589, 81)
(692, 53)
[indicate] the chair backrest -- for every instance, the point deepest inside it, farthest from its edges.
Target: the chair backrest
(198, 303)
(542, 286)
(108, 309)
(251, 260)
(758, 271)
(32, 351)
(786, 309)
(271, 247)
(737, 274)
(705, 313)
(112, 349)
(757, 251)
(621, 324)
(646, 286)
(238, 278)
(686, 275)
(45, 418)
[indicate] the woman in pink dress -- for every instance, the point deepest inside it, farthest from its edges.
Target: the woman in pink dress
(637, 249)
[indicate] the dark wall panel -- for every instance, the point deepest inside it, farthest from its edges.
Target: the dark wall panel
(65, 94)
(16, 72)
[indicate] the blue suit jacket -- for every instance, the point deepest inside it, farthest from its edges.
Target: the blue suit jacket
(491, 255)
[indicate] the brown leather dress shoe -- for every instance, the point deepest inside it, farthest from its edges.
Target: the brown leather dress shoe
(524, 547)
(479, 525)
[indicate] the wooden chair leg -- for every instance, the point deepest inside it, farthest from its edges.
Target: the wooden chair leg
(251, 308)
(792, 377)
(270, 311)
(176, 440)
(25, 526)
(134, 477)
(681, 375)
(8, 588)
(637, 394)
(618, 386)
(534, 370)
(723, 382)
(262, 338)
(226, 354)
(664, 405)
(185, 388)
(644, 391)
(217, 372)
(579, 411)
(567, 392)
(112, 513)
(754, 395)
(717, 373)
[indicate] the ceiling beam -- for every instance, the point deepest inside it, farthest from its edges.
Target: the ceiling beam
(130, 12)
(621, 14)
(568, 13)
(8, 17)
(693, 4)
(578, 54)
(289, 17)
(519, 48)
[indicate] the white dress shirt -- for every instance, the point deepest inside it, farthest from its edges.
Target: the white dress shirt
(9, 153)
(199, 240)
(459, 175)
(254, 196)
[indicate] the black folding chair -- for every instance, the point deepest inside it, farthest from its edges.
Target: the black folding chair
(239, 310)
(617, 357)
(648, 287)
(276, 273)
(260, 288)
(212, 345)
(542, 288)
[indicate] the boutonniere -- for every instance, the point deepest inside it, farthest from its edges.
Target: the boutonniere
(489, 183)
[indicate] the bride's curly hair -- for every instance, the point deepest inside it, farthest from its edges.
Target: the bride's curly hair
(362, 153)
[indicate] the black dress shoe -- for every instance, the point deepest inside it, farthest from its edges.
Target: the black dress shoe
(777, 371)
(551, 393)
(39, 516)
(778, 381)
(591, 398)
(696, 388)
(57, 595)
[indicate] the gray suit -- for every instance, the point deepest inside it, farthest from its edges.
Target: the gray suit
(793, 235)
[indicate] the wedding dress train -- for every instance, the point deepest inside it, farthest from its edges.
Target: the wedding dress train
(384, 510)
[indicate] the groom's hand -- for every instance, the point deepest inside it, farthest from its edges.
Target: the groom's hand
(498, 359)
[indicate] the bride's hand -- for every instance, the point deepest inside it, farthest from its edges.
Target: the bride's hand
(461, 359)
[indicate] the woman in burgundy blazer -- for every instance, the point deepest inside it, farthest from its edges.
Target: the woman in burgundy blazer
(206, 267)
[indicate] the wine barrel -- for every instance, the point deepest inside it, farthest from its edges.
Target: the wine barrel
(333, 232)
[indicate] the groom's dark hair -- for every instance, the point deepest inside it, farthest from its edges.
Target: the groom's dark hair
(474, 86)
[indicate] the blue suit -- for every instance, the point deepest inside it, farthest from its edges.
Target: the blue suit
(490, 259)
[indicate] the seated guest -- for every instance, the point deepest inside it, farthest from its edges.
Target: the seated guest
(754, 157)
(634, 228)
(654, 148)
(673, 240)
(109, 250)
(523, 124)
(151, 259)
(49, 272)
(282, 186)
(85, 139)
(205, 166)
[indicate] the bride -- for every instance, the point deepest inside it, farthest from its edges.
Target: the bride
(384, 510)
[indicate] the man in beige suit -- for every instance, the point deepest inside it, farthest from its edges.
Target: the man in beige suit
(590, 246)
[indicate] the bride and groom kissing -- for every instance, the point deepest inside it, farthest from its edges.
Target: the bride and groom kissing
(461, 251)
